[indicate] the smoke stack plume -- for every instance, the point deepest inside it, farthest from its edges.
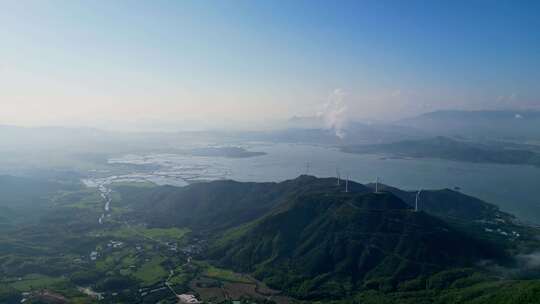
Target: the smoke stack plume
(334, 113)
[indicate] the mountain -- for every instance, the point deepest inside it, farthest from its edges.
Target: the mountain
(508, 124)
(224, 204)
(220, 204)
(27, 192)
(310, 238)
(25, 199)
(355, 133)
(518, 125)
(318, 246)
(447, 203)
(451, 149)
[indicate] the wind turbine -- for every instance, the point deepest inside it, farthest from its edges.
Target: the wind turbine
(347, 184)
(377, 185)
(416, 200)
(338, 176)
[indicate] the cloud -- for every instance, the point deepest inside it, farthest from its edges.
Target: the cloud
(523, 266)
(529, 261)
(507, 99)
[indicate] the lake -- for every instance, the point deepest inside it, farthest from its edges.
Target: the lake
(515, 189)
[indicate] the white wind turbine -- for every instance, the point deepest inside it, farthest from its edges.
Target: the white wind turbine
(416, 200)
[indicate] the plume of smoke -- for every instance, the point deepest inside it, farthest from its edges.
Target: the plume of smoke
(334, 113)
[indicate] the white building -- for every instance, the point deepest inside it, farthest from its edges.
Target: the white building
(188, 299)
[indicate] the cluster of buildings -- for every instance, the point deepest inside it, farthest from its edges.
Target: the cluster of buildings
(88, 291)
(146, 291)
(172, 246)
(110, 245)
(186, 298)
(115, 244)
(502, 232)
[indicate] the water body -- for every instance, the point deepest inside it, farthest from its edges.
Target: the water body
(515, 189)
(101, 185)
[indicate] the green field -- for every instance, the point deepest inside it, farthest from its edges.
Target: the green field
(164, 233)
(151, 272)
(84, 199)
(158, 234)
(222, 274)
(36, 281)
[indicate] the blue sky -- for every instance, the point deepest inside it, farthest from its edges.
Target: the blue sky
(117, 63)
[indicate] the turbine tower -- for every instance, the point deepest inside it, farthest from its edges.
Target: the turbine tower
(416, 200)
(338, 176)
(377, 185)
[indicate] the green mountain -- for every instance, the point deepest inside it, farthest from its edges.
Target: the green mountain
(333, 244)
(311, 239)
(21, 192)
(220, 204)
(25, 198)
(447, 203)
(306, 236)
(225, 204)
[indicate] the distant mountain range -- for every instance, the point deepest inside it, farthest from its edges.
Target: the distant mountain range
(508, 124)
(517, 125)
(451, 149)
(486, 125)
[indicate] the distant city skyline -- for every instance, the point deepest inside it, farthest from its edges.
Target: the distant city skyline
(239, 64)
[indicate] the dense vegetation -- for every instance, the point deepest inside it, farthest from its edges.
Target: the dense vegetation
(304, 236)
(310, 238)
(448, 203)
(329, 246)
(219, 204)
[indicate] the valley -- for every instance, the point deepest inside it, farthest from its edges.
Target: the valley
(269, 152)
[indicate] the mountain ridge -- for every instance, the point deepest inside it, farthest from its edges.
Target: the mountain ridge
(315, 242)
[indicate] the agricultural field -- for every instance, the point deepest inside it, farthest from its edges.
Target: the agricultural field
(223, 274)
(118, 260)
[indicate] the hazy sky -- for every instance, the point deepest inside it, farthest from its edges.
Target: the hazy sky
(121, 64)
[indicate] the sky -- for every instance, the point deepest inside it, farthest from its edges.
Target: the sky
(247, 64)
